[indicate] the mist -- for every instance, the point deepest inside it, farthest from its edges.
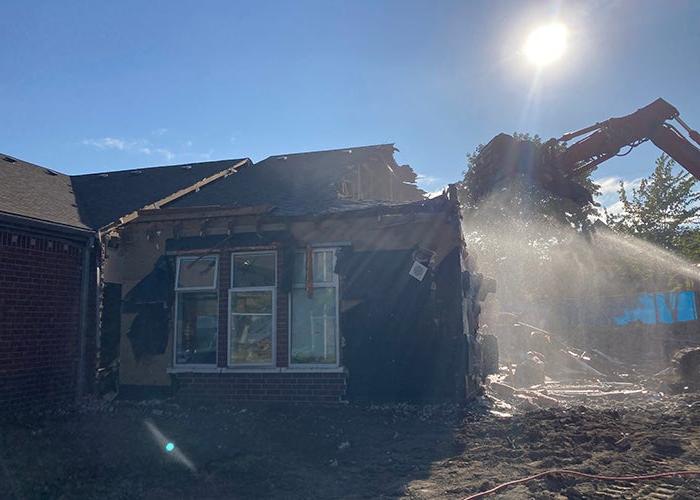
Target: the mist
(582, 288)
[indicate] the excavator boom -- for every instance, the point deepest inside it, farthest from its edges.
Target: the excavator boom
(609, 137)
(557, 167)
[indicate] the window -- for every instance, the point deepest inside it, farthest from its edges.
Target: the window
(196, 311)
(314, 323)
(252, 308)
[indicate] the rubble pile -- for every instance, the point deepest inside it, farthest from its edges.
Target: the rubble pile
(545, 371)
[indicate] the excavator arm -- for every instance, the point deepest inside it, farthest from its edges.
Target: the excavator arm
(606, 139)
(558, 167)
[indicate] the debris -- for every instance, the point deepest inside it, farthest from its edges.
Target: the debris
(686, 364)
(530, 372)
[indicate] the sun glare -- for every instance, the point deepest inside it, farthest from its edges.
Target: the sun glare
(546, 44)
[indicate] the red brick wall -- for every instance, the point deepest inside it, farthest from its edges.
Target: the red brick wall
(40, 282)
(206, 388)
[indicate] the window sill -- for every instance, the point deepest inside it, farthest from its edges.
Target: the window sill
(194, 369)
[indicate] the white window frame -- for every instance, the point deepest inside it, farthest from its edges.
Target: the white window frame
(231, 291)
(183, 290)
(325, 284)
(194, 259)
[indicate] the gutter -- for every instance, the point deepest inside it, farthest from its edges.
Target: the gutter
(84, 294)
(48, 228)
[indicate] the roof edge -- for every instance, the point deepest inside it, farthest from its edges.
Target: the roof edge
(54, 227)
(349, 148)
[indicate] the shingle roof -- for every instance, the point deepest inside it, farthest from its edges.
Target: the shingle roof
(93, 200)
(105, 197)
(36, 192)
(294, 184)
(300, 183)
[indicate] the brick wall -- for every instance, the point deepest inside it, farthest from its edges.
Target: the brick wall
(226, 387)
(205, 388)
(40, 282)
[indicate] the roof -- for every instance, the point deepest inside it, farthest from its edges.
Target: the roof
(105, 197)
(302, 183)
(294, 184)
(38, 193)
(92, 201)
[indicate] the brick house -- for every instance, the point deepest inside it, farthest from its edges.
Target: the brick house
(50, 281)
(46, 289)
(310, 277)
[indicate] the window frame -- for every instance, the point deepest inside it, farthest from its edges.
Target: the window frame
(184, 258)
(186, 290)
(335, 283)
(233, 289)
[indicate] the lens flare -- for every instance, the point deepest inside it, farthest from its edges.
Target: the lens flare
(168, 446)
(546, 44)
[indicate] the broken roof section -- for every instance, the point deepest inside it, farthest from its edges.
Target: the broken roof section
(37, 193)
(105, 197)
(312, 183)
(315, 183)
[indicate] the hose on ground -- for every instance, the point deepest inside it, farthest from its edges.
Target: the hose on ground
(569, 472)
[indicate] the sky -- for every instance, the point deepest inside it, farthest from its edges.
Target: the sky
(90, 86)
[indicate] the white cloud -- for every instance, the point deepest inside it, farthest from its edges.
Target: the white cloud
(159, 131)
(429, 183)
(166, 153)
(142, 146)
(106, 143)
(615, 208)
(609, 187)
(437, 192)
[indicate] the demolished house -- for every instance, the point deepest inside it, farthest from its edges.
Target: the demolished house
(311, 277)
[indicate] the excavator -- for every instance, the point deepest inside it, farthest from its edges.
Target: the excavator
(559, 168)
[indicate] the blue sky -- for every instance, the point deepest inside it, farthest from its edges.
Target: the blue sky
(92, 85)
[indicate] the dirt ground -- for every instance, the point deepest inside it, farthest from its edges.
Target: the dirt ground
(106, 450)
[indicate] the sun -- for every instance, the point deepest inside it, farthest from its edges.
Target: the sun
(546, 44)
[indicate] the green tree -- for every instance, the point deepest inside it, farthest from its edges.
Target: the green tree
(663, 210)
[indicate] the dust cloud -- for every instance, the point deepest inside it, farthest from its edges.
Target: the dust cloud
(573, 284)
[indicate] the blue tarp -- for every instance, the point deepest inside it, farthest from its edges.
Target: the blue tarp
(664, 307)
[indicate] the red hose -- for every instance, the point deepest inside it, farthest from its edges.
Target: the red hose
(583, 474)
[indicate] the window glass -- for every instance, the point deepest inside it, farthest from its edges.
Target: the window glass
(323, 266)
(253, 270)
(314, 326)
(251, 302)
(196, 328)
(251, 339)
(196, 272)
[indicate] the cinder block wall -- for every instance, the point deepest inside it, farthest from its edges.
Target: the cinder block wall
(39, 321)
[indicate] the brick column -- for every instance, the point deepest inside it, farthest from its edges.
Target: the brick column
(224, 285)
(282, 327)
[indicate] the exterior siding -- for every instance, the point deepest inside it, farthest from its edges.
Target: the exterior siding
(40, 281)
(145, 240)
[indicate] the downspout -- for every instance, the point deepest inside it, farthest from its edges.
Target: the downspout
(84, 294)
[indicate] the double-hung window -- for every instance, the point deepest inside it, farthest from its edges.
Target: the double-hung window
(196, 310)
(252, 301)
(314, 309)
